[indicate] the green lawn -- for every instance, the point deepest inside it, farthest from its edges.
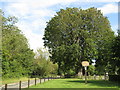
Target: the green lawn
(76, 83)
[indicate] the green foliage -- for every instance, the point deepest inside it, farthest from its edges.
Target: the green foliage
(91, 70)
(114, 78)
(42, 65)
(74, 35)
(0, 44)
(17, 58)
(115, 61)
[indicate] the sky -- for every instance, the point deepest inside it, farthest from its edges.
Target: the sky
(33, 14)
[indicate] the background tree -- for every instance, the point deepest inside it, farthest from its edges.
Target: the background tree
(115, 61)
(1, 13)
(42, 65)
(74, 35)
(91, 70)
(17, 57)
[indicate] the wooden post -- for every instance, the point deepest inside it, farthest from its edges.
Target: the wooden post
(35, 81)
(85, 75)
(20, 85)
(94, 77)
(48, 78)
(44, 79)
(40, 80)
(5, 86)
(28, 83)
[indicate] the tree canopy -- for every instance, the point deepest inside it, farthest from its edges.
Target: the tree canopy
(75, 35)
(115, 61)
(42, 64)
(17, 57)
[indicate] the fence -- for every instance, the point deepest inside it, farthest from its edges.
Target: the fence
(95, 77)
(26, 84)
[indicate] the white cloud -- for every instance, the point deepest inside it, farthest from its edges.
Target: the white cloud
(109, 8)
(18, 9)
(32, 21)
(34, 39)
(32, 15)
(115, 28)
(102, 0)
(44, 12)
(48, 3)
(53, 2)
(40, 3)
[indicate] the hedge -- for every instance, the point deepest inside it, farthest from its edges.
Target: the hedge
(114, 78)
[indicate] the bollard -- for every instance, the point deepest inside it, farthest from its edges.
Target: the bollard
(20, 85)
(5, 86)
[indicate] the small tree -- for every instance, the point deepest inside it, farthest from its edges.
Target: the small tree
(91, 70)
(42, 65)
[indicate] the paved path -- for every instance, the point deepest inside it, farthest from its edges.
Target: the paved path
(24, 84)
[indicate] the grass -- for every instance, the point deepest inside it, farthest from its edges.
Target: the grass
(13, 80)
(76, 83)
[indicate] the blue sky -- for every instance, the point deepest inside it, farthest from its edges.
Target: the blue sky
(33, 15)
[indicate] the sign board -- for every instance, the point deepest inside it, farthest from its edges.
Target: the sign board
(85, 63)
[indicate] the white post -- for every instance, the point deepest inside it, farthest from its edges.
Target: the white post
(85, 74)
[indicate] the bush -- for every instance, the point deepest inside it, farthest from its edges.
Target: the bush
(114, 78)
(43, 66)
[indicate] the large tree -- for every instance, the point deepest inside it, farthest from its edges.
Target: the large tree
(74, 35)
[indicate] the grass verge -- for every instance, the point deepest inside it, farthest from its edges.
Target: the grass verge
(77, 83)
(13, 80)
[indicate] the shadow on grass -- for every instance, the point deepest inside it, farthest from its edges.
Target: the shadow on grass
(100, 83)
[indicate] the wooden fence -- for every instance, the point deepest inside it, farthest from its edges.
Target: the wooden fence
(95, 77)
(26, 84)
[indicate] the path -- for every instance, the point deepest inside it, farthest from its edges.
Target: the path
(24, 84)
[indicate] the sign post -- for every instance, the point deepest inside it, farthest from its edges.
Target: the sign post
(85, 64)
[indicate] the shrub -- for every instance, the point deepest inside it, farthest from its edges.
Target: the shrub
(114, 78)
